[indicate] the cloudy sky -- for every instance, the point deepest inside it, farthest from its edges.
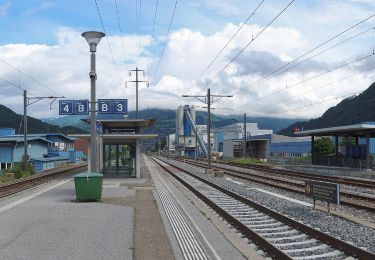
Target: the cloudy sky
(42, 40)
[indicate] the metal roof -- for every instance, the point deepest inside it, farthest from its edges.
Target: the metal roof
(44, 136)
(118, 137)
(356, 130)
(19, 139)
(116, 123)
(49, 159)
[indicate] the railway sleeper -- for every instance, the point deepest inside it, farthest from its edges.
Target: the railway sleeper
(279, 234)
(336, 254)
(262, 226)
(289, 239)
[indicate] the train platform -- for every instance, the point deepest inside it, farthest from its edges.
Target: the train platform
(147, 218)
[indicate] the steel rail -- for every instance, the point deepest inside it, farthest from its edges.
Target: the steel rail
(347, 198)
(12, 187)
(337, 243)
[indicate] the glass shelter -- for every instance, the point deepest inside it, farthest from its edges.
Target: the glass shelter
(118, 151)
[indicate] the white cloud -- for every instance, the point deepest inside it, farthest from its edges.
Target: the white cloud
(4, 9)
(64, 67)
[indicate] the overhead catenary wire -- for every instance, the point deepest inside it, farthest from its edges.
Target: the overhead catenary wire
(320, 102)
(166, 37)
(308, 79)
(312, 50)
(27, 76)
(252, 40)
(109, 45)
(230, 40)
(139, 27)
(121, 31)
(153, 26)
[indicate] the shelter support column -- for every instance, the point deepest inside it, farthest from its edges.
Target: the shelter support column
(336, 145)
(312, 150)
(138, 159)
(367, 150)
(356, 140)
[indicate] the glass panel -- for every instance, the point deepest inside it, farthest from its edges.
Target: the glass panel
(120, 159)
(110, 155)
(126, 159)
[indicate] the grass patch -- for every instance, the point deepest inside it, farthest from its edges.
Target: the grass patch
(248, 161)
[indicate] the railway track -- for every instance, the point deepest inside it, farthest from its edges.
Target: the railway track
(359, 201)
(18, 185)
(280, 236)
(341, 180)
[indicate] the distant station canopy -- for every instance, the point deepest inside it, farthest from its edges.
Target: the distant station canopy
(360, 150)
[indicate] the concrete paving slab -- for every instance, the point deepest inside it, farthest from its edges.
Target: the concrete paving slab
(52, 226)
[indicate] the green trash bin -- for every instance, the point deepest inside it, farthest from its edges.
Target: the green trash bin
(89, 186)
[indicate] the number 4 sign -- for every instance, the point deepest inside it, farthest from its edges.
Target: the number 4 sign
(66, 107)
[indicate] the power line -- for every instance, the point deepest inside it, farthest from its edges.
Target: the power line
(339, 80)
(320, 102)
(313, 49)
(153, 27)
(27, 76)
(139, 27)
(308, 79)
(230, 40)
(167, 37)
(109, 45)
(252, 40)
(120, 29)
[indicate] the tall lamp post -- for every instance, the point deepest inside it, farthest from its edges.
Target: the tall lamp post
(93, 38)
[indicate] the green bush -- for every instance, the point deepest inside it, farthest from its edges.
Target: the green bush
(324, 146)
(20, 171)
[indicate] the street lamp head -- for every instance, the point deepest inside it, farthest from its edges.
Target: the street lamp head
(93, 38)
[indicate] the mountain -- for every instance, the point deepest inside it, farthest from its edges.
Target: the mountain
(9, 119)
(352, 110)
(166, 120)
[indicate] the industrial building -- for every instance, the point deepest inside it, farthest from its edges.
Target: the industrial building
(274, 145)
(235, 132)
(189, 137)
(45, 151)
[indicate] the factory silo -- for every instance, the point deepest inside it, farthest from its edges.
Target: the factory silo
(180, 121)
(192, 113)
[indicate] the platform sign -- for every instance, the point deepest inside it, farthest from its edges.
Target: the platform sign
(120, 106)
(66, 107)
(105, 106)
(112, 106)
(325, 191)
(81, 107)
(74, 107)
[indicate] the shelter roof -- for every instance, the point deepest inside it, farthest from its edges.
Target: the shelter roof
(355, 130)
(118, 137)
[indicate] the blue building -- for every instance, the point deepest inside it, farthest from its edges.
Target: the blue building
(274, 145)
(45, 151)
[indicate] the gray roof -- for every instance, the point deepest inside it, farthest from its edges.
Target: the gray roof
(359, 130)
(19, 139)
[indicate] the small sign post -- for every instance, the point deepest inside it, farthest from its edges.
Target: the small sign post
(325, 191)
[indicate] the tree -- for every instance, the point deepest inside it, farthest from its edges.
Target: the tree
(323, 146)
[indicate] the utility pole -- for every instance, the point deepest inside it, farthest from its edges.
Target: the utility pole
(136, 87)
(27, 101)
(25, 159)
(208, 99)
(244, 135)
